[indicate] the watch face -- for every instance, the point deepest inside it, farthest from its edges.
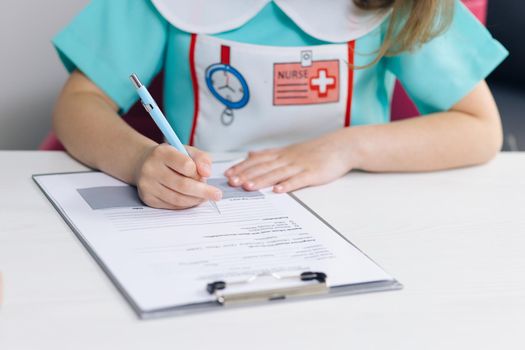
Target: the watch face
(227, 85)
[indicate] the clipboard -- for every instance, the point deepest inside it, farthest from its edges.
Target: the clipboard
(224, 293)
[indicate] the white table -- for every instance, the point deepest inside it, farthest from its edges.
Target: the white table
(455, 239)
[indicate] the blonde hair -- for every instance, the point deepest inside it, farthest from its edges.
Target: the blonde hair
(412, 23)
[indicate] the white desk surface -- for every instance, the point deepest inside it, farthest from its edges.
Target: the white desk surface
(455, 239)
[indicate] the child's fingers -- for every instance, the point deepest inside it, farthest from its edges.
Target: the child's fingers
(154, 202)
(176, 199)
(194, 188)
(149, 195)
(295, 182)
(202, 160)
(158, 195)
(271, 178)
(175, 160)
(249, 162)
(169, 179)
(255, 171)
(188, 186)
(161, 204)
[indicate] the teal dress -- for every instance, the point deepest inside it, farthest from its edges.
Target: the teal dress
(109, 40)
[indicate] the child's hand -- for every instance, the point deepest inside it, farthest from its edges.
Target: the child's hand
(168, 179)
(312, 163)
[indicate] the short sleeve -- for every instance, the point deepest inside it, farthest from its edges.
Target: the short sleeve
(109, 40)
(446, 69)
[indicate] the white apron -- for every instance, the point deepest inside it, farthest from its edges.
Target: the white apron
(250, 97)
(254, 97)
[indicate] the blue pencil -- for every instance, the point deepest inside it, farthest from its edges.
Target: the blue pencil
(154, 111)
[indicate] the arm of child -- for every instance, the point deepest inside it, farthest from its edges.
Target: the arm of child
(469, 133)
(87, 123)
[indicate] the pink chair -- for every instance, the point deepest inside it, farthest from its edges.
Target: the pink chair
(402, 105)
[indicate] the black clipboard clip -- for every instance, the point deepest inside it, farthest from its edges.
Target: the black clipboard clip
(218, 288)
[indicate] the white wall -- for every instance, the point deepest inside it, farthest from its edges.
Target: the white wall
(30, 72)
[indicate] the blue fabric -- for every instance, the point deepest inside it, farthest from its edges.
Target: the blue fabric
(111, 39)
(107, 41)
(443, 71)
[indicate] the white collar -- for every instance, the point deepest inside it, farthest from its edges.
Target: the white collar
(327, 20)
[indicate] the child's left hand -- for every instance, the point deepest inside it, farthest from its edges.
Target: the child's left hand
(290, 168)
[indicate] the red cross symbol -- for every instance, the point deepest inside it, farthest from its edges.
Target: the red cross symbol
(323, 82)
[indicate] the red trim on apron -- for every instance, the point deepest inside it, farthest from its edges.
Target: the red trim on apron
(351, 54)
(195, 84)
(225, 54)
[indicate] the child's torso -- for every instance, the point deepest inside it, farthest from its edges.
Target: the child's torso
(268, 83)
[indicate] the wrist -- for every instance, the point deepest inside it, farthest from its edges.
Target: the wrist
(352, 147)
(142, 154)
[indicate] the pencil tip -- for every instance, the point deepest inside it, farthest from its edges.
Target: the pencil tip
(213, 204)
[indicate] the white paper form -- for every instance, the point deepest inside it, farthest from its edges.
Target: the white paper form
(164, 259)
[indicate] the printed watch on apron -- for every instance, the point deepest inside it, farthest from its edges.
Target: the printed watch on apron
(255, 97)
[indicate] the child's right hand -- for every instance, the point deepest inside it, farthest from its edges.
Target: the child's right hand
(167, 179)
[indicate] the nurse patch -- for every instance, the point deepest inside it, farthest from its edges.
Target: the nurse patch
(306, 82)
